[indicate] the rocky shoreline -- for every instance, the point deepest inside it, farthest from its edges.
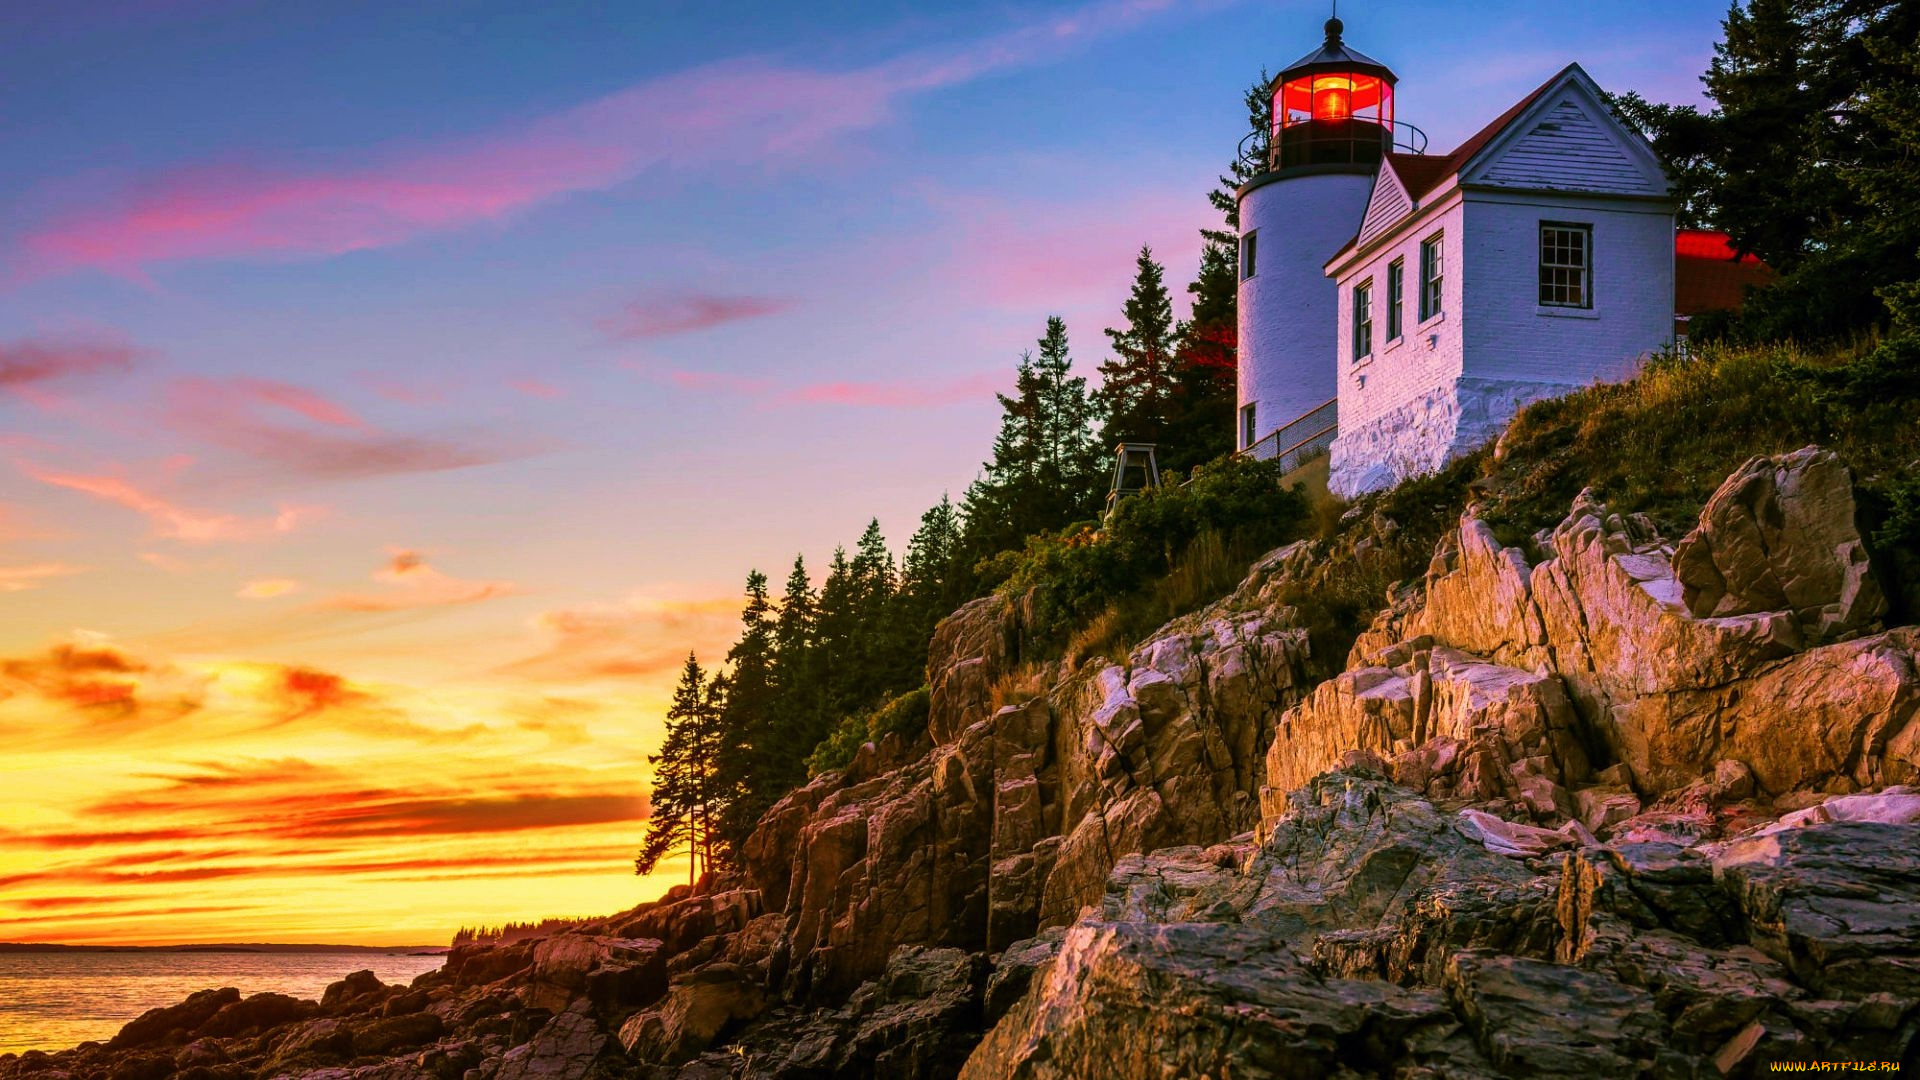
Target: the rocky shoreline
(1597, 804)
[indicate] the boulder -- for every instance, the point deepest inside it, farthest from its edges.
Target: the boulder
(696, 1012)
(156, 1025)
(1779, 535)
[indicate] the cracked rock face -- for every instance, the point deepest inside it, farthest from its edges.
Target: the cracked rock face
(1599, 806)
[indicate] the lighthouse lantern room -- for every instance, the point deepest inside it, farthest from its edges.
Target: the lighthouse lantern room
(1333, 106)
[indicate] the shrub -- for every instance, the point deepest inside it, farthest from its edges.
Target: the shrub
(905, 716)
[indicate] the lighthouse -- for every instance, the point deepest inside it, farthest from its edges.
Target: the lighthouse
(1333, 124)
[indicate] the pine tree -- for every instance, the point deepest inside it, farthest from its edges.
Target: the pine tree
(1047, 470)
(1259, 102)
(1206, 366)
(687, 801)
(750, 775)
(1136, 393)
(933, 576)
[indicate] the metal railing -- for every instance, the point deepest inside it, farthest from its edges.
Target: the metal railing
(1339, 143)
(1300, 440)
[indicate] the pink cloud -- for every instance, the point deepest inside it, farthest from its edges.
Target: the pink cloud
(877, 395)
(740, 113)
(898, 395)
(31, 363)
(414, 584)
(662, 316)
(537, 388)
(306, 434)
(171, 519)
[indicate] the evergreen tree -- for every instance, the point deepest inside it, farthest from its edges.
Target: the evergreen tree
(836, 628)
(933, 575)
(1047, 470)
(798, 719)
(878, 649)
(1253, 162)
(1136, 392)
(749, 771)
(1207, 350)
(687, 800)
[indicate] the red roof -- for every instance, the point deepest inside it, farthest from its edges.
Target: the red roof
(1708, 276)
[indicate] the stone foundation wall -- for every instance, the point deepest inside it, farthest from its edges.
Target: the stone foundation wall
(1426, 433)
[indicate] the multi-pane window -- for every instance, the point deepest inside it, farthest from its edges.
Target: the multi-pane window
(1433, 273)
(1249, 252)
(1566, 265)
(1363, 319)
(1248, 430)
(1396, 290)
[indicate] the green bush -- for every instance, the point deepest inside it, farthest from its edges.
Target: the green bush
(1081, 571)
(905, 716)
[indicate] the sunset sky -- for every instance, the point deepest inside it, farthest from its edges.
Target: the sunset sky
(392, 394)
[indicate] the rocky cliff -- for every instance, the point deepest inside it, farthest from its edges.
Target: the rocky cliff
(1601, 803)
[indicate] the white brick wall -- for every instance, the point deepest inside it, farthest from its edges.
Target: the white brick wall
(1509, 335)
(1453, 382)
(1286, 310)
(1428, 355)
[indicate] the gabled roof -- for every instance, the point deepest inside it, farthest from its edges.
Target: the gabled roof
(1708, 276)
(1423, 174)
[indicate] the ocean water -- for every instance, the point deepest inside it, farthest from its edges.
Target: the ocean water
(51, 1001)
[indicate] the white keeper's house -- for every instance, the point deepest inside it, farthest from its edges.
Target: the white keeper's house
(1397, 307)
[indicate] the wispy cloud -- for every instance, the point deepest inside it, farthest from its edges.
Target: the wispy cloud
(34, 575)
(303, 433)
(414, 584)
(641, 637)
(171, 519)
(734, 113)
(878, 394)
(268, 588)
(660, 316)
(34, 362)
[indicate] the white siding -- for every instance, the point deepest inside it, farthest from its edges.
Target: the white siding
(1287, 309)
(1388, 205)
(1568, 149)
(1511, 336)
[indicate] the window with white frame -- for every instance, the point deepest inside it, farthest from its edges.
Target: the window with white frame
(1249, 252)
(1363, 320)
(1249, 432)
(1396, 295)
(1433, 274)
(1566, 265)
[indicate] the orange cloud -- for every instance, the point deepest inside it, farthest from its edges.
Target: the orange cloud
(417, 585)
(96, 677)
(642, 637)
(267, 588)
(172, 520)
(33, 575)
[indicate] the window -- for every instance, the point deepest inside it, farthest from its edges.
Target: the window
(1249, 248)
(1362, 320)
(1396, 290)
(1433, 273)
(1566, 265)
(1248, 432)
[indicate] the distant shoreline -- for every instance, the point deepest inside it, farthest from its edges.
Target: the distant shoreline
(250, 947)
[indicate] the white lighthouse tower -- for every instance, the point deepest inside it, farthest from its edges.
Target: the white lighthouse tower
(1333, 123)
